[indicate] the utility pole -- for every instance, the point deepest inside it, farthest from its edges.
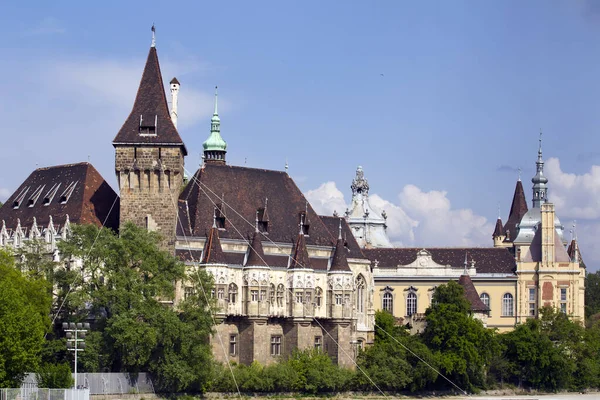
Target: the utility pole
(75, 339)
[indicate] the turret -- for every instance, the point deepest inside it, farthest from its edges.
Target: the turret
(540, 187)
(215, 147)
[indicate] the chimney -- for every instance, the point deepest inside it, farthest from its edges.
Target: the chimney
(174, 95)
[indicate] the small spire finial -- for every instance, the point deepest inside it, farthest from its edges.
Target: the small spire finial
(540, 147)
(286, 166)
(519, 173)
(302, 224)
(216, 100)
(153, 36)
(466, 263)
(256, 222)
(340, 230)
(214, 217)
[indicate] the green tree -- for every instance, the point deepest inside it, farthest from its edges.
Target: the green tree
(463, 347)
(24, 311)
(592, 294)
(126, 284)
(55, 376)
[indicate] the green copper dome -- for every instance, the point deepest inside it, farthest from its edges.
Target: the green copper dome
(215, 142)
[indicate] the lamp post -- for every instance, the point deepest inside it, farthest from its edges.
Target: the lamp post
(75, 339)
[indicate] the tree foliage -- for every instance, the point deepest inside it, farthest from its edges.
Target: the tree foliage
(592, 295)
(24, 319)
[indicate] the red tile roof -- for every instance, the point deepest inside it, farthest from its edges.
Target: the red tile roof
(74, 189)
(471, 294)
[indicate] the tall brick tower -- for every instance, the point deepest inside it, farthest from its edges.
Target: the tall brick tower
(149, 159)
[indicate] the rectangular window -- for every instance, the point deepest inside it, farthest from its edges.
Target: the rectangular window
(338, 299)
(563, 300)
(263, 295)
(532, 309)
(232, 345)
(318, 342)
(531, 294)
(254, 295)
(220, 293)
(532, 302)
(347, 298)
(188, 292)
(307, 298)
(298, 297)
(275, 346)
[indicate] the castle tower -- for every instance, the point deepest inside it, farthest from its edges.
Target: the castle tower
(215, 147)
(149, 158)
(540, 182)
(498, 234)
(368, 227)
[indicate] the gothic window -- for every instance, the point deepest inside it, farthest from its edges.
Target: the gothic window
(318, 296)
(232, 293)
(263, 295)
(507, 305)
(221, 293)
(272, 294)
(254, 295)
(307, 297)
(299, 297)
(360, 294)
(347, 299)
(280, 295)
(411, 304)
(388, 302)
(485, 299)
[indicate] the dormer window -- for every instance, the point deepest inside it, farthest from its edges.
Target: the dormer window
(66, 194)
(50, 195)
(263, 221)
(220, 216)
(305, 223)
(34, 197)
(148, 126)
(20, 197)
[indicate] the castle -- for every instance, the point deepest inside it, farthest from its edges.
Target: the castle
(285, 277)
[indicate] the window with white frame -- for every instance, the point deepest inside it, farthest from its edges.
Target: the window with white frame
(299, 297)
(507, 305)
(318, 342)
(232, 345)
(411, 304)
(485, 299)
(532, 302)
(232, 292)
(388, 302)
(220, 293)
(563, 300)
(338, 299)
(307, 297)
(263, 295)
(254, 295)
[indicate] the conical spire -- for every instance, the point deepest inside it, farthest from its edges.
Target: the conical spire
(471, 294)
(498, 230)
(518, 208)
(340, 259)
(540, 188)
(213, 252)
(215, 147)
(300, 256)
(150, 121)
(256, 257)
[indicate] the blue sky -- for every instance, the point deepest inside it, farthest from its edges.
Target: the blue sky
(440, 102)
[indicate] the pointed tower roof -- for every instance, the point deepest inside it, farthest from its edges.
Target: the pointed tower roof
(213, 252)
(471, 294)
(540, 187)
(256, 257)
(498, 229)
(340, 259)
(300, 256)
(215, 147)
(150, 122)
(518, 208)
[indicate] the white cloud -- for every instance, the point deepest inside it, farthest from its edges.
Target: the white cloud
(420, 218)
(4, 193)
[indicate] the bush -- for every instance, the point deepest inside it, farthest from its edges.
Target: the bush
(55, 376)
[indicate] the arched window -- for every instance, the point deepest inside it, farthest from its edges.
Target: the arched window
(318, 296)
(280, 290)
(388, 302)
(232, 292)
(360, 294)
(507, 305)
(485, 298)
(411, 304)
(272, 294)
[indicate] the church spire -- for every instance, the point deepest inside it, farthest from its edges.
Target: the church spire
(215, 147)
(518, 208)
(540, 188)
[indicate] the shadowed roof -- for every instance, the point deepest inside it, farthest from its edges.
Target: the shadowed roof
(74, 189)
(471, 294)
(256, 255)
(333, 224)
(213, 252)
(150, 109)
(518, 208)
(487, 259)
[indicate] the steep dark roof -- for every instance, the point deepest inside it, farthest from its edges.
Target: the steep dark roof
(256, 255)
(352, 247)
(174, 80)
(74, 189)
(518, 208)
(471, 294)
(340, 262)
(575, 253)
(487, 259)
(239, 192)
(498, 230)
(151, 106)
(213, 252)
(300, 255)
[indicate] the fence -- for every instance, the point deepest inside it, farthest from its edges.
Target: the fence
(97, 383)
(44, 394)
